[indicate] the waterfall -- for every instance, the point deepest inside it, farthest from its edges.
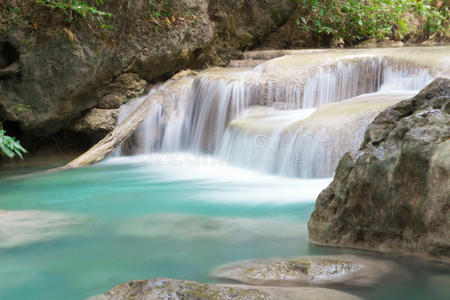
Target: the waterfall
(302, 143)
(214, 103)
(255, 140)
(342, 81)
(294, 115)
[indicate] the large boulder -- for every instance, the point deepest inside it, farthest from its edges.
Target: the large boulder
(393, 195)
(52, 71)
(159, 289)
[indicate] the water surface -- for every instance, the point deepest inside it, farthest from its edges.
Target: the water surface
(77, 233)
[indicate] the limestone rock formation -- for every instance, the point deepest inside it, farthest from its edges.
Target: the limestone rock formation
(97, 123)
(344, 270)
(125, 87)
(393, 195)
(51, 74)
(156, 289)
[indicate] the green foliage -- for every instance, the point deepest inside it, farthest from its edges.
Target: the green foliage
(160, 8)
(10, 146)
(9, 15)
(356, 20)
(80, 7)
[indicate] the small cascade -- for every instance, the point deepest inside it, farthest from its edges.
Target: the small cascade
(163, 127)
(302, 143)
(287, 115)
(214, 103)
(124, 112)
(401, 77)
(254, 140)
(148, 137)
(344, 78)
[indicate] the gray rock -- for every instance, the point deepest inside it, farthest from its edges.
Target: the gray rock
(344, 270)
(63, 71)
(101, 120)
(188, 290)
(393, 195)
(373, 43)
(97, 123)
(125, 87)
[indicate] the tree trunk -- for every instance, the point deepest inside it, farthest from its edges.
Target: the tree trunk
(125, 129)
(113, 140)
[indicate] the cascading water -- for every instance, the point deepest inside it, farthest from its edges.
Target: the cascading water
(215, 102)
(306, 142)
(254, 141)
(214, 113)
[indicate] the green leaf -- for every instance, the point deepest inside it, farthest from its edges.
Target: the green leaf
(7, 151)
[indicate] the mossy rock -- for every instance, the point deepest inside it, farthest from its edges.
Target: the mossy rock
(347, 270)
(156, 289)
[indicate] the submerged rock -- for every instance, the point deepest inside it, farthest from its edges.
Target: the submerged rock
(393, 195)
(192, 227)
(18, 228)
(439, 286)
(154, 289)
(348, 270)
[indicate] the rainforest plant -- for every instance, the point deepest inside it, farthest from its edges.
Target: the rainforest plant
(356, 20)
(77, 6)
(9, 146)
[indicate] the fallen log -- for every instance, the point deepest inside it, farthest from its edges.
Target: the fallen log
(113, 140)
(125, 129)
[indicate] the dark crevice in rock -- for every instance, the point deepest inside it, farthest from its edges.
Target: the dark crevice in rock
(12, 129)
(64, 141)
(9, 62)
(8, 54)
(197, 52)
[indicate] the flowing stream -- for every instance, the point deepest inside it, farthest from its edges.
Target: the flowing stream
(226, 167)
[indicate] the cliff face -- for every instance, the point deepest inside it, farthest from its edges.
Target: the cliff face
(393, 195)
(52, 72)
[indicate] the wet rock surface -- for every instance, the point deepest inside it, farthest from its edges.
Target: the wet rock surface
(393, 194)
(189, 290)
(344, 270)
